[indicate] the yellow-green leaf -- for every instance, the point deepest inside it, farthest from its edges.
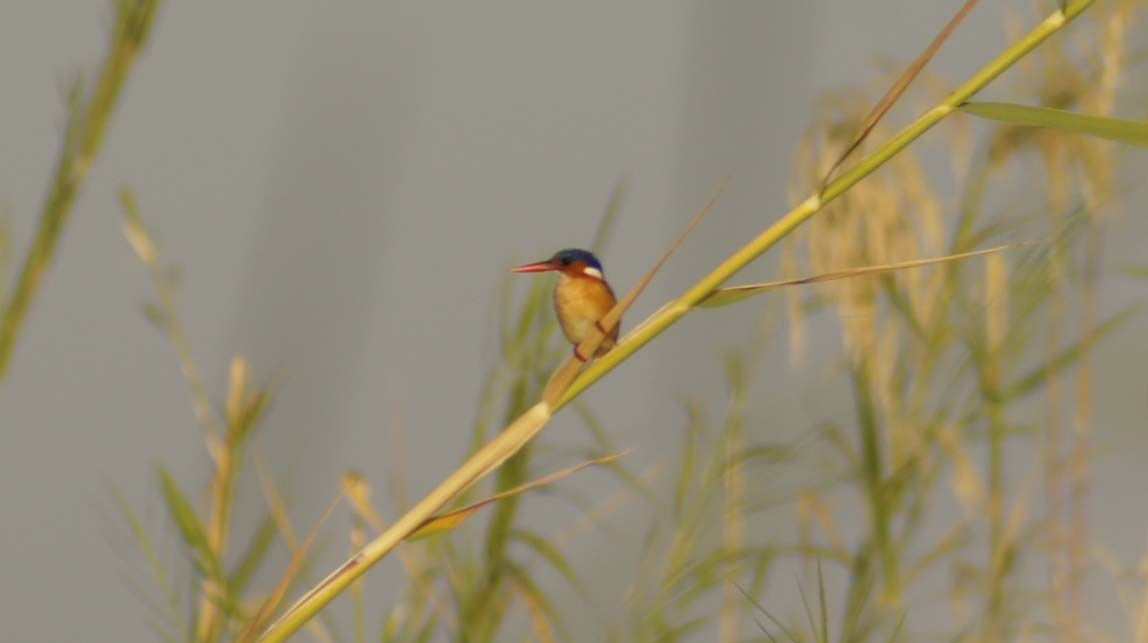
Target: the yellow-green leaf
(171, 599)
(190, 527)
(548, 551)
(1113, 129)
(253, 556)
(1032, 380)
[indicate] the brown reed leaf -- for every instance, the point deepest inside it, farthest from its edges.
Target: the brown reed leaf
(898, 88)
(727, 296)
(448, 521)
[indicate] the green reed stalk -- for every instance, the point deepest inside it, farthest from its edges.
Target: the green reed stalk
(487, 604)
(873, 479)
(81, 145)
(997, 546)
(494, 452)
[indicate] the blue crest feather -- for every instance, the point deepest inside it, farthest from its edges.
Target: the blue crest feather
(571, 255)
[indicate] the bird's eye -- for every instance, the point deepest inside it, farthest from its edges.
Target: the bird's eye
(565, 261)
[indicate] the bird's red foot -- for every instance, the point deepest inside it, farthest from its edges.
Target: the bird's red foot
(578, 355)
(601, 328)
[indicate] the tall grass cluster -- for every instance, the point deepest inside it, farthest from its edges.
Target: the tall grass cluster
(903, 506)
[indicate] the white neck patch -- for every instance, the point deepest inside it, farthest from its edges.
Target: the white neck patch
(592, 272)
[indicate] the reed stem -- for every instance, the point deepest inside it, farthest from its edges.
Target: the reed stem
(86, 127)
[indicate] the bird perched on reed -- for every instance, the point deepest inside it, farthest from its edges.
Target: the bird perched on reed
(581, 297)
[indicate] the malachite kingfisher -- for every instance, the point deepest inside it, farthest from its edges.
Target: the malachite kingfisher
(581, 297)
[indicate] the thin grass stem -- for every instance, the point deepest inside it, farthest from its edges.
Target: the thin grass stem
(87, 125)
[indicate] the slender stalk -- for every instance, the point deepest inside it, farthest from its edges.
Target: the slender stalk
(1054, 456)
(525, 427)
(80, 148)
(200, 400)
(358, 606)
(222, 446)
(734, 487)
(994, 622)
(210, 621)
(1081, 447)
(488, 603)
(873, 478)
(990, 367)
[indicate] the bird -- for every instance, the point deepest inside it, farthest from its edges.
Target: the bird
(581, 297)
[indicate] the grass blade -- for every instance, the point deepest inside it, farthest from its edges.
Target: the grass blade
(824, 634)
(809, 614)
(882, 107)
(157, 569)
(605, 444)
(1106, 127)
(87, 124)
(1032, 380)
(732, 295)
(190, 527)
(541, 608)
(252, 556)
(448, 521)
(761, 608)
(543, 548)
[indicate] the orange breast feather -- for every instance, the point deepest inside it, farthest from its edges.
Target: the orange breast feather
(580, 303)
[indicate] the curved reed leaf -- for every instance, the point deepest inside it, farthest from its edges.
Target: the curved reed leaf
(890, 98)
(605, 444)
(543, 548)
(449, 521)
(174, 615)
(1114, 129)
(545, 614)
(1032, 380)
(732, 295)
(190, 526)
(253, 556)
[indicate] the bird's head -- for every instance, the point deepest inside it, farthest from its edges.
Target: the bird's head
(571, 262)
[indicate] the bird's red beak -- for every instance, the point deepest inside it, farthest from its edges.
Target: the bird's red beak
(537, 266)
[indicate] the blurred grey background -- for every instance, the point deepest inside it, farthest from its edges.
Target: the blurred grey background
(343, 185)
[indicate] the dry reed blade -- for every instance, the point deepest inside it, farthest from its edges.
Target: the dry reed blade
(448, 521)
(734, 294)
(882, 107)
